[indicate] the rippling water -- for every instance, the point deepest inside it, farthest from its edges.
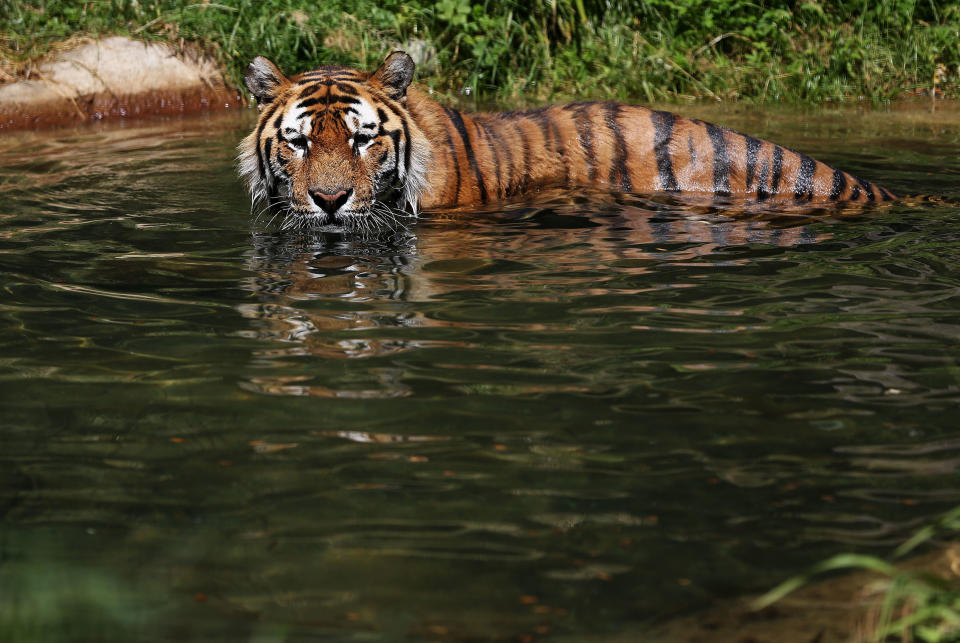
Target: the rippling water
(557, 419)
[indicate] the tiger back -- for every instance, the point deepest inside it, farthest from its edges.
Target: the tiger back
(341, 147)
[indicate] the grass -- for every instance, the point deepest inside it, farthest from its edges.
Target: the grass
(916, 606)
(760, 51)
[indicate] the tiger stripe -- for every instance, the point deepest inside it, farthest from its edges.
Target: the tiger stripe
(492, 146)
(619, 174)
(560, 149)
(803, 189)
(411, 148)
(839, 185)
(663, 127)
(762, 192)
(456, 120)
(777, 170)
(753, 146)
(721, 162)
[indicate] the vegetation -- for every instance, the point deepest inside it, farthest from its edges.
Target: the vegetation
(762, 50)
(916, 606)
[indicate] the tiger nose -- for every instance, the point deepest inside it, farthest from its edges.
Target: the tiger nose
(328, 202)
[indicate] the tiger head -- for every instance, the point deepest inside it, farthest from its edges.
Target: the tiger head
(335, 146)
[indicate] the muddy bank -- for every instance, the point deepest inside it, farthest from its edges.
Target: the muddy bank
(114, 77)
(841, 609)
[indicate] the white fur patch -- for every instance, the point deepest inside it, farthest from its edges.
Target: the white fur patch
(362, 118)
(294, 125)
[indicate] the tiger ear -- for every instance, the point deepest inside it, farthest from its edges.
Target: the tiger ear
(395, 74)
(264, 80)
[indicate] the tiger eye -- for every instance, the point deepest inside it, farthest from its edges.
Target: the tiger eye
(405, 150)
(360, 139)
(299, 142)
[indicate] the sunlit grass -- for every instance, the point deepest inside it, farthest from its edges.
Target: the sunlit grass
(638, 49)
(916, 605)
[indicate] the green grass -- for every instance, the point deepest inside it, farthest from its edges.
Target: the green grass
(916, 606)
(761, 51)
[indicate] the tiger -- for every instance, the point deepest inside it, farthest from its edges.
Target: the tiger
(337, 147)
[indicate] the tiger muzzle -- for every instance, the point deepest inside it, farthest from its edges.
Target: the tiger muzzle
(330, 202)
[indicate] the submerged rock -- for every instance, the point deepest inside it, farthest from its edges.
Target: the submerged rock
(115, 77)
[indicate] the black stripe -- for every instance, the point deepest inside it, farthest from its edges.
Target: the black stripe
(525, 146)
(347, 89)
(721, 161)
(691, 149)
(395, 137)
(346, 100)
(404, 116)
(866, 188)
(394, 106)
(328, 76)
(268, 148)
(663, 132)
(558, 145)
(753, 149)
(279, 169)
(485, 132)
(457, 119)
(382, 115)
(306, 90)
(762, 192)
(839, 185)
(855, 193)
(584, 128)
(803, 190)
(777, 169)
(887, 195)
(406, 146)
(332, 71)
(393, 134)
(330, 100)
(456, 161)
(576, 106)
(619, 163)
(263, 125)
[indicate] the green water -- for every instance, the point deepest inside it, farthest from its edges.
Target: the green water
(560, 420)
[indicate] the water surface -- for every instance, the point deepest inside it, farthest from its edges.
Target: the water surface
(557, 419)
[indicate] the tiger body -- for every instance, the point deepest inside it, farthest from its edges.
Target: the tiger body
(335, 146)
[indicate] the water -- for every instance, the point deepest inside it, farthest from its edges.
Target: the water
(555, 420)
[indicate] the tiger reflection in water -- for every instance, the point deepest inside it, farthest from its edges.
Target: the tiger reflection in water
(393, 281)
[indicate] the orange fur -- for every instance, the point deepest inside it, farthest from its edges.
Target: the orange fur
(337, 145)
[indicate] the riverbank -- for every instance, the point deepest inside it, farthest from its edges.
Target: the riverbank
(841, 609)
(636, 50)
(83, 79)
(87, 79)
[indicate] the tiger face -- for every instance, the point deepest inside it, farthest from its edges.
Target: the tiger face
(334, 147)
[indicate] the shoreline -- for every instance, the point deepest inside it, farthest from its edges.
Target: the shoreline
(89, 80)
(116, 77)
